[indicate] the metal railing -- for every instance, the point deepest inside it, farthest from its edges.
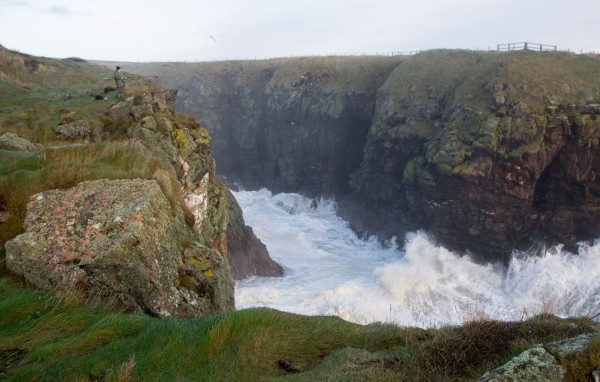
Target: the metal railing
(526, 46)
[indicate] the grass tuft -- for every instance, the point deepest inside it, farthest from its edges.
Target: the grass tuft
(580, 365)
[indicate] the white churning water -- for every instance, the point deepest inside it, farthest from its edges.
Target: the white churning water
(329, 271)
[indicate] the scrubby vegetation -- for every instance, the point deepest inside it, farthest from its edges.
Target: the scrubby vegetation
(64, 336)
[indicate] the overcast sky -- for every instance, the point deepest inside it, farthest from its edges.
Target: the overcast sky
(200, 30)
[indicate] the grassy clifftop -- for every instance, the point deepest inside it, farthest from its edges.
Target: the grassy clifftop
(38, 93)
(64, 336)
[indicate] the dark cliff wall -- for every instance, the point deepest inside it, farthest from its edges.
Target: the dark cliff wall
(247, 255)
(487, 151)
(290, 125)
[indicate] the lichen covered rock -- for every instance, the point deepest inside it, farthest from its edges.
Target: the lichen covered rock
(13, 142)
(121, 241)
(122, 110)
(565, 348)
(141, 111)
(543, 363)
(533, 365)
(73, 130)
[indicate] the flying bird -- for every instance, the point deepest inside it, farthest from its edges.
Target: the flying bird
(214, 39)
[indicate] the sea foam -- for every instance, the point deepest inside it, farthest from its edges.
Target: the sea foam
(330, 271)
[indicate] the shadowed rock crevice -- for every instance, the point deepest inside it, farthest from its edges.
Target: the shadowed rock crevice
(248, 256)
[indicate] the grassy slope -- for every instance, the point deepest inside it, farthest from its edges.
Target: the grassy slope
(37, 93)
(47, 336)
(50, 337)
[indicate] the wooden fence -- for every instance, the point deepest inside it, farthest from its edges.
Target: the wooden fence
(405, 53)
(526, 46)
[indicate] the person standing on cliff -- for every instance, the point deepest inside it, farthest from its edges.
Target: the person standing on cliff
(120, 82)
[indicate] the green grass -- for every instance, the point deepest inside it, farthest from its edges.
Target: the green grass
(60, 337)
(67, 339)
(37, 94)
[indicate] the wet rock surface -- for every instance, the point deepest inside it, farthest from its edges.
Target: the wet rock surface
(248, 256)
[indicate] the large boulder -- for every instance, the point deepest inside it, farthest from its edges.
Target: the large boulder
(73, 130)
(121, 111)
(124, 242)
(13, 142)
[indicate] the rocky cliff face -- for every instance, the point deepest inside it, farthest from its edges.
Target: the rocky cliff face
(474, 149)
(248, 256)
(156, 246)
(297, 125)
(487, 151)
(186, 150)
(114, 240)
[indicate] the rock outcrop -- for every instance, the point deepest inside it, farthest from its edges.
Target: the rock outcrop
(248, 256)
(122, 110)
(185, 148)
(487, 151)
(157, 246)
(73, 130)
(543, 363)
(12, 142)
(120, 240)
(481, 175)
